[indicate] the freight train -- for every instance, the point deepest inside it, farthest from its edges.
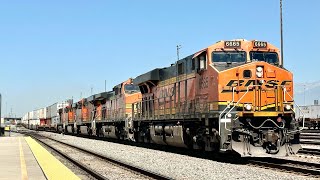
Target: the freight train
(231, 96)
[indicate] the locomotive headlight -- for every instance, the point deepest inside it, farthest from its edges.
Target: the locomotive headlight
(287, 107)
(248, 107)
(259, 74)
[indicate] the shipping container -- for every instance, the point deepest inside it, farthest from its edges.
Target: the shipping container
(310, 112)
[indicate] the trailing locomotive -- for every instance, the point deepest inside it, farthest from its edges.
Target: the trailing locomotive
(105, 114)
(231, 96)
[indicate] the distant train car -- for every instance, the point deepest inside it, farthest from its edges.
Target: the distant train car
(311, 114)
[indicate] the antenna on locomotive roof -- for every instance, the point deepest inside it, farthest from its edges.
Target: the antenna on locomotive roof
(281, 33)
(178, 48)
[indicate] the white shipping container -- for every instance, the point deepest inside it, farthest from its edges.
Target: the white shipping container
(43, 113)
(310, 112)
(48, 112)
(53, 110)
(36, 114)
(30, 115)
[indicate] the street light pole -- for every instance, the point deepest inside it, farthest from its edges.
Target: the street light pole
(281, 33)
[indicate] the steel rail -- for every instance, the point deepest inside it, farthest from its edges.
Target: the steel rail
(301, 167)
(309, 151)
(85, 168)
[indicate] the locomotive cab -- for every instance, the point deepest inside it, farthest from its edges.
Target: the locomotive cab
(258, 119)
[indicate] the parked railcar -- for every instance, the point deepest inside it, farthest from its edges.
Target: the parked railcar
(311, 114)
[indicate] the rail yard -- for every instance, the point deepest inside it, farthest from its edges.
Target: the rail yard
(232, 101)
(170, 161)
(249, 116)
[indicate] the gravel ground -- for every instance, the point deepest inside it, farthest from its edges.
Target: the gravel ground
(304, 158)
(103, 167)
(174, 165)
(75, 169)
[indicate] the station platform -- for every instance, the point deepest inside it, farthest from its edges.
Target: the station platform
(23, 158)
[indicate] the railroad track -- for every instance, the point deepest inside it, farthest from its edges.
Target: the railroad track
(310, 137)
(310, 151)
(97, 165)
(291, 166)
(299, 167)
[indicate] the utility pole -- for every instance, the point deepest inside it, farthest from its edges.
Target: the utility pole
(304, 94)
(91, 90)
(105, 85)
(281, 33)
(178, 48)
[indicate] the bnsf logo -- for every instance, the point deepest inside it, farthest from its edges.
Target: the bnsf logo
(267, 84)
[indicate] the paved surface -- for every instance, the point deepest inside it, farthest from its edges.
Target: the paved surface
(17, 160)
(20, 158)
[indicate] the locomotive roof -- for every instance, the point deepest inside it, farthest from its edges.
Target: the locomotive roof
(161, 74)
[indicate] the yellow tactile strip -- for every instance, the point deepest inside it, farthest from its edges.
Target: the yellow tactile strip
(52, 168)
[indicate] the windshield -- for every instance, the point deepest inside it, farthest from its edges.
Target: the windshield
(130, 88)
(269, 57)
(229, 56)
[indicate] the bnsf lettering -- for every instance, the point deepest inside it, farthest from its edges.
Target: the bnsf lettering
(234, 83)
(203, 83)
(167, 92)
(285, 83)
(272, 83)
(246, 83)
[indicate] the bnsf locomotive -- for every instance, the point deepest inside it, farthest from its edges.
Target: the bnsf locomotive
(233, 95)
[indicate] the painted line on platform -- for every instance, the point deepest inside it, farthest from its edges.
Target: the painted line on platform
(24, 173)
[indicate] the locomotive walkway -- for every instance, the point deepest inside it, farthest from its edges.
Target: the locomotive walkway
(23, 158)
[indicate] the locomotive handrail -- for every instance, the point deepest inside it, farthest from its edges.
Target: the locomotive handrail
(255, 127)
(303, 115)
(228, 106)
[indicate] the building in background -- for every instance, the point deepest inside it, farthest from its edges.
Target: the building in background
(5, 121)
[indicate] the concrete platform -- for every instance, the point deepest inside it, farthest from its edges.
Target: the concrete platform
(23, 158)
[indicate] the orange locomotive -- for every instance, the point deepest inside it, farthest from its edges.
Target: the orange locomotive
(233, 95)
(105, 114)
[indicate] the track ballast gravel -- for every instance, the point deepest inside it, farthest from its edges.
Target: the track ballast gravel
(173, 165)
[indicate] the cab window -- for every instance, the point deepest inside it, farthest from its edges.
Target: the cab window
(269, 57)
(130, 89)
(229, 56)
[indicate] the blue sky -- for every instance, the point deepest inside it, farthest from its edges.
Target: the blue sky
(54, 50)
